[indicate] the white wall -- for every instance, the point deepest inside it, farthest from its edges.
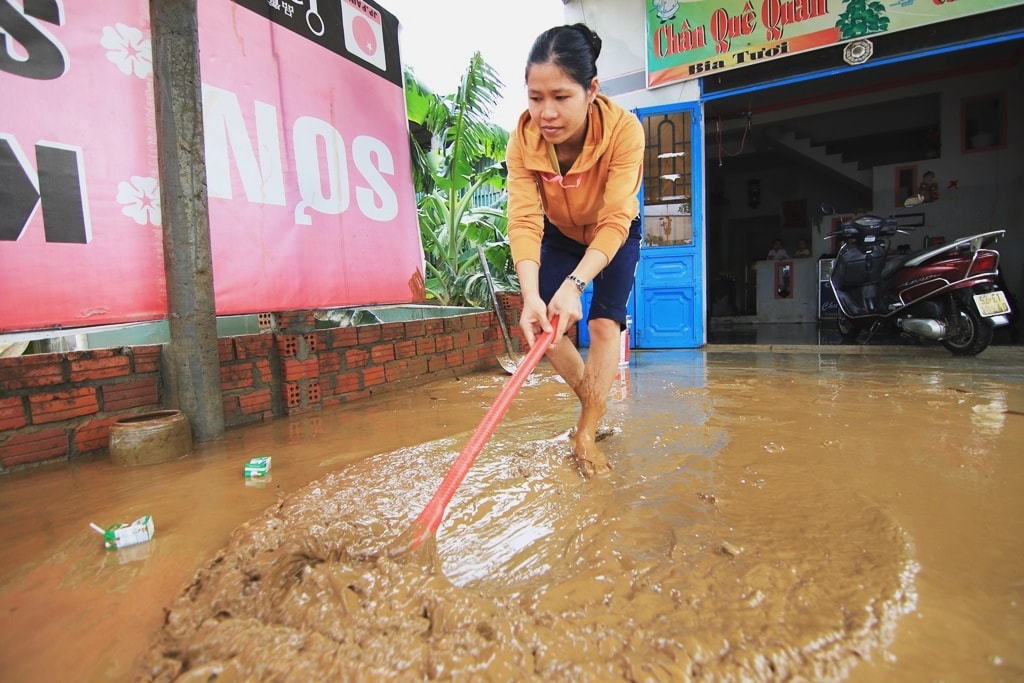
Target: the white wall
(623, 34)
(622, 28)
(978, 191)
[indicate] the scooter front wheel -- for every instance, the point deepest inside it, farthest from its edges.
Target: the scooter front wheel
(969, 335)
(848, 329)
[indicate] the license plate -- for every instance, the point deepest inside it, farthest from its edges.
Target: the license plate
(991, 303)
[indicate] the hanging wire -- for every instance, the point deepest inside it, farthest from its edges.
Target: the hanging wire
(742, 140)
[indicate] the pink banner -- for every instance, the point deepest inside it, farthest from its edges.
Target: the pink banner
(80, 239)
(308, 169)
(308, 166)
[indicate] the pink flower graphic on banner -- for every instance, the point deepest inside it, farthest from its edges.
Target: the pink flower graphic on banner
(129, 49)
(141, 200)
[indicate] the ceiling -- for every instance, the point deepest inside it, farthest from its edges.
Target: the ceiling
(892, 129)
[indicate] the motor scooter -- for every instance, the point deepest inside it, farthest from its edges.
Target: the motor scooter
(947, 294)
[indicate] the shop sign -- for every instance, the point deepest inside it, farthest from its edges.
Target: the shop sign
(693, 39)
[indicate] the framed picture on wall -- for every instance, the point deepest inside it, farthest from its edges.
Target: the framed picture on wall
(794, 213)
(906, 183)
(983, 122)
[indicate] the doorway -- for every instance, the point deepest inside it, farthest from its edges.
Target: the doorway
(755, 236)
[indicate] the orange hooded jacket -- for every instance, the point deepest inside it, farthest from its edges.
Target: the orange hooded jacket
(595, 202)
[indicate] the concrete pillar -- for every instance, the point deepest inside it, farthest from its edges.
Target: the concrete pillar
(192, 365)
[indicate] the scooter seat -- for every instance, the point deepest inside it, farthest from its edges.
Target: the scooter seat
(892, 264)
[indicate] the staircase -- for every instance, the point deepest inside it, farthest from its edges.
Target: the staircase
(800, 147)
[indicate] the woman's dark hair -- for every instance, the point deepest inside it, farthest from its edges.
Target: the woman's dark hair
(573, 48)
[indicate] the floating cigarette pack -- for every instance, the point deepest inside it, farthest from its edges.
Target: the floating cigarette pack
(123, 535)
(258, 467)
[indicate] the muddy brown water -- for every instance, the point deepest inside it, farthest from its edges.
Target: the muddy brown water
(771, 516)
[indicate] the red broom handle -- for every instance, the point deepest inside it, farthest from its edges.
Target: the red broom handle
(430, 519)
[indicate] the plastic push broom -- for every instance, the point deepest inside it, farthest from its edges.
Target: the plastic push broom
(430, 519)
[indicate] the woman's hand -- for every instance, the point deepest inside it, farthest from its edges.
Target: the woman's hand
(534, 319)
(567, 305)
(567, 302)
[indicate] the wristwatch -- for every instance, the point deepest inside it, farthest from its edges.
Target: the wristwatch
(580, 284)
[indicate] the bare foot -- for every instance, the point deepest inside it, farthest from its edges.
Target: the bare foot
(590, 460)
(593, 405)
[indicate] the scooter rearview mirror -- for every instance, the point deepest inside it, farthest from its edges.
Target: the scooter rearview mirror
(914, 200)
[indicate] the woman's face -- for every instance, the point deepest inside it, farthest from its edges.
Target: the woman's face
(558, 104)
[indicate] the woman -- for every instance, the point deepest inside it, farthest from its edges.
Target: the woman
(574, 172)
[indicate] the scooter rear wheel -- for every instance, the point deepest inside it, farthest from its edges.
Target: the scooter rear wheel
(969, 335)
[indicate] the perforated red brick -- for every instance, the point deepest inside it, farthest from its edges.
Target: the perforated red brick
(314, 392)
(287, 345)
(293, 395)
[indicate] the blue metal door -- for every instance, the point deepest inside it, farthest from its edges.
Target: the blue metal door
(668, 296)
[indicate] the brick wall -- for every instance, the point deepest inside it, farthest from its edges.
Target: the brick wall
(54, 407)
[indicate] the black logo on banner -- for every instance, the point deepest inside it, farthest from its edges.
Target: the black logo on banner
(358, 30)
(46, 59)
(58, 186)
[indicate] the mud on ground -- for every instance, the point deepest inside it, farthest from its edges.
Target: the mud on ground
(707, 554)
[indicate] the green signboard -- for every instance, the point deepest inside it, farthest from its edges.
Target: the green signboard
(694, 38)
